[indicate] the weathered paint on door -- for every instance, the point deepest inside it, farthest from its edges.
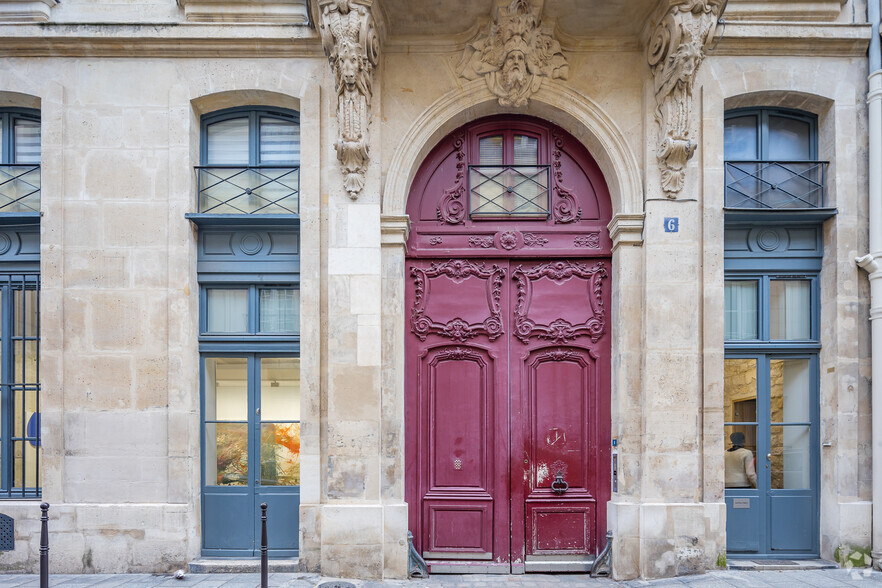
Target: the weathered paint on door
(507, 362)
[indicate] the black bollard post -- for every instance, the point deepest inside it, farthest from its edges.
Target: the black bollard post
(44, 546)
(264, 558)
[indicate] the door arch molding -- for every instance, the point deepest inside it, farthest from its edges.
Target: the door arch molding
(561, 105)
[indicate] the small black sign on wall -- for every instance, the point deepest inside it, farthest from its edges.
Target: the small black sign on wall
(7, 533)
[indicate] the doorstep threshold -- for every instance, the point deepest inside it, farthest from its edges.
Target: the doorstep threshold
(232, 565)
(763, 565)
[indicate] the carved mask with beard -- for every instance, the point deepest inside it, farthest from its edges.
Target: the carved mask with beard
(514, 71)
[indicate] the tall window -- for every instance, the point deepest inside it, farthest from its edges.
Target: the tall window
(19, 161)
(771, 160)
(249, 328)
(20, 443)
(250, 162)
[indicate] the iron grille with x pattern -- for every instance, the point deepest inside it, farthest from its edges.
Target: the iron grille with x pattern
(19, 188)
(775, 184)
(507, 190)
(249, 190)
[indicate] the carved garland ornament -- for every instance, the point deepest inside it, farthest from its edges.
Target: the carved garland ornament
(352, 47)
(675, 50)
(457, 329)
(565, 208)
(559, 330)
(452, 208)
(514, 53)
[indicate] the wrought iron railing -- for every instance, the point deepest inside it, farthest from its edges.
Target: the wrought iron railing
(508, 190)
(20, 188)
(248, 190)
(775, 184)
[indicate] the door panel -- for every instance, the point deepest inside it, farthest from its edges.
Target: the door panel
(246, 460)
(771, 407)
(496, 413)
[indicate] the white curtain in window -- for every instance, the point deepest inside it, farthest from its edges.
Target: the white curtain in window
(227, 142)
(27, 141)
(741, 310)
(490, 150)
(790, 309)
(227, 311)
(279, 142)
(279, 311)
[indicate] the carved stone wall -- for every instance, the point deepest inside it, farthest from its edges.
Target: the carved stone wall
(514, 52)
(675, 49)
(353, 50)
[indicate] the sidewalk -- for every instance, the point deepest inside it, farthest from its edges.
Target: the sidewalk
(719, 579)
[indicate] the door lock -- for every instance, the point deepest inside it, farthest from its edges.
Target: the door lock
(769, 457)
(257, 412)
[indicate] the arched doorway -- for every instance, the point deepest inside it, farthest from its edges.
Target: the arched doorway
(507, 353)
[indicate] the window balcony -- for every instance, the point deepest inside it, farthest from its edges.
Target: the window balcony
(776, 185)
(20, 188)
(502, 191)
(248, 190)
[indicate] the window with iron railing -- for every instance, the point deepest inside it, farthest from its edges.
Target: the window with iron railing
(19, 161)
(771, 160)
(509, 181)
(250, 162)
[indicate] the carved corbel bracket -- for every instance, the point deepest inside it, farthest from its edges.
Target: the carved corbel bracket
(351, 44)
(675, 49)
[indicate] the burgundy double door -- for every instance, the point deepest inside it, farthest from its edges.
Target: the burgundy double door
(507, 401)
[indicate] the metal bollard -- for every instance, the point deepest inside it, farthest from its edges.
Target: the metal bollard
(264, 558)
(44, 546)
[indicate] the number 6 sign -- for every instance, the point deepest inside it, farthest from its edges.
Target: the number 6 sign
(672, 224)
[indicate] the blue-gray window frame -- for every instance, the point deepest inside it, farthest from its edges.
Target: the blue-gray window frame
(7, 137)
(762, 135)
(253, 113)
(764, 268)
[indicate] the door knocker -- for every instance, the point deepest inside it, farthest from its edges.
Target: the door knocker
(559, 486)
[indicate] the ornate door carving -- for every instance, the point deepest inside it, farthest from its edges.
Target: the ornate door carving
(508, 350)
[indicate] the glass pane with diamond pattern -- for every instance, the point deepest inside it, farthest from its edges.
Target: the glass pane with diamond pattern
(237, 190)
(502, 191)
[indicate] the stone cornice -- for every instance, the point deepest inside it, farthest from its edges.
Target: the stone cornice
(626, 229)
(158, 40)
(394, 230)
(791, 39)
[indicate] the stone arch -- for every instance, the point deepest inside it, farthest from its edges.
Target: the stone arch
(559, 104)
(19, 100)
(231, 98)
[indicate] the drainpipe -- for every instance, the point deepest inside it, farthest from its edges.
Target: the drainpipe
(872, 264)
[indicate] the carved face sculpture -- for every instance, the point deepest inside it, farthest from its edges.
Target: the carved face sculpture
(514, 70)
(349, 63)
(688, 57)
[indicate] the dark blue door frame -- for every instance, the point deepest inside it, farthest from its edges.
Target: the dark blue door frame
(230, 514)
(767, 523)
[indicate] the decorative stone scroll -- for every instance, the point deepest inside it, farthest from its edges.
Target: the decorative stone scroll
(514, 53)
(452, 208)
(351, 44)
(675, 49)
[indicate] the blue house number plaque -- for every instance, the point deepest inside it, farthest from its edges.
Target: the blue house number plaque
(672, 224)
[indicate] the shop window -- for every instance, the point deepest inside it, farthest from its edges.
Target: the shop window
(771, 160)
(250, 162)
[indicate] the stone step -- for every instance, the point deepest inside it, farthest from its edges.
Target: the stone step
(763, 565)
(223, 565)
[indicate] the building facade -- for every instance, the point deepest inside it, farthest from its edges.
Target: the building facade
(507, 275)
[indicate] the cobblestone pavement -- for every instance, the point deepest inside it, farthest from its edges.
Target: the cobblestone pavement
(719, 579)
